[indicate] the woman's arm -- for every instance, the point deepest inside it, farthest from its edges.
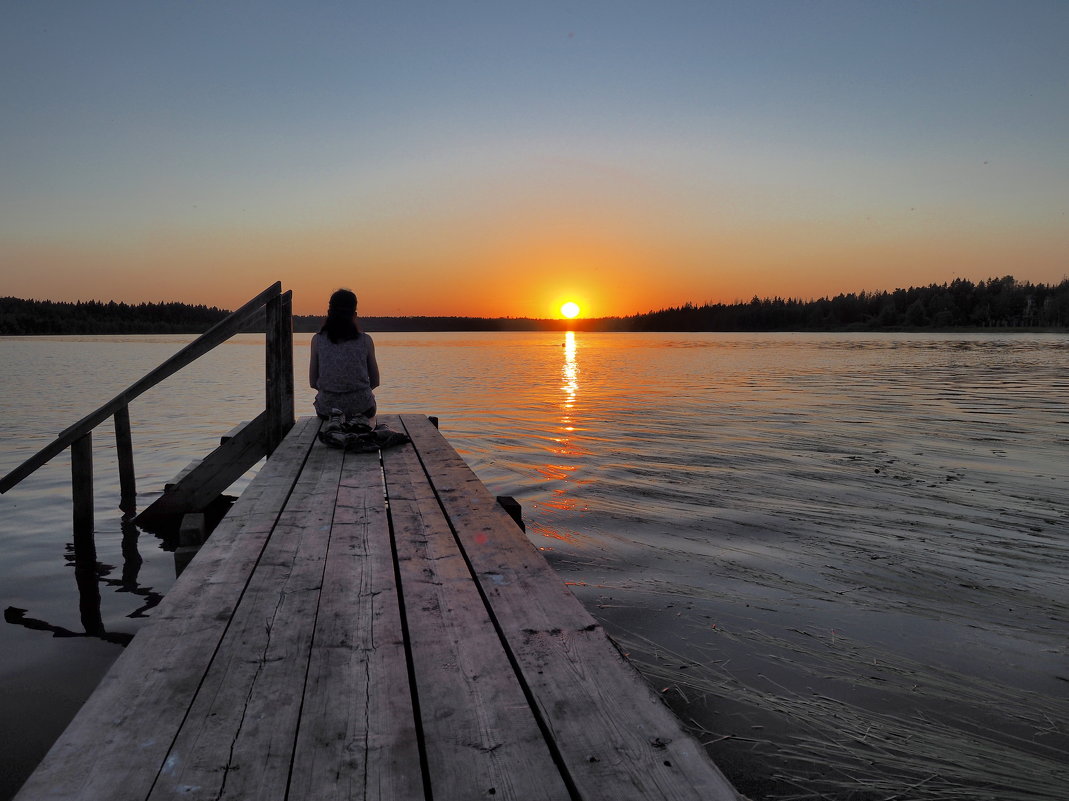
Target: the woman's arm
(372, 363)
(313, 365)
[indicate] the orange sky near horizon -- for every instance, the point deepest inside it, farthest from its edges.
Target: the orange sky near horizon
(526, 271)
(498, 161)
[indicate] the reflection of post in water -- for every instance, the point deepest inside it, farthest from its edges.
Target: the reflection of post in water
(85, 574)
(17, 617)
(131, 557)
(131, 567)
(85, 552)
(89, 574)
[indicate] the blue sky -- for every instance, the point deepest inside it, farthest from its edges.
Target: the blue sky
(632, 154)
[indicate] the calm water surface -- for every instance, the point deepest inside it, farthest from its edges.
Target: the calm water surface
(841, 558)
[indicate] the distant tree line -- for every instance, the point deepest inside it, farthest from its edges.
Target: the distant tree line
(995, 303)
(19, 316)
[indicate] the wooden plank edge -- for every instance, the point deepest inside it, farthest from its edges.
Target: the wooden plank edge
(98, 736)
(663, 743)
(460, 666)
(209, 477)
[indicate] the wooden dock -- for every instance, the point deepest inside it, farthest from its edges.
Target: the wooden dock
(372, 626)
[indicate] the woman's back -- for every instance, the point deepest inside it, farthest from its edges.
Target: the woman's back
(343, 366)
(345, 370)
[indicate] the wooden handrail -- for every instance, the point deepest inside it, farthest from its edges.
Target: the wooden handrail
(216, 335)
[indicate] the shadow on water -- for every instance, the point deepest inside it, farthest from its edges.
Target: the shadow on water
(90, 574)
(52, 676)
(47, 678)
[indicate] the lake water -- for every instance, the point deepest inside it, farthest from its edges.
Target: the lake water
(843, 559)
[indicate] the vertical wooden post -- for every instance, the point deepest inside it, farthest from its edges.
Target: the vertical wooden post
(82, 487)
(85, 551)
(124, 449)
(279, 368)
(512, 506)
(286, 345)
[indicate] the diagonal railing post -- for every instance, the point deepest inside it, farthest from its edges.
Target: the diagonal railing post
(78, 437)
(214, 336)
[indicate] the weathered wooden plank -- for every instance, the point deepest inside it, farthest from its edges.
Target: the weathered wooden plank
(215, 472)
(181, 474)
(214, 336)
(229, 435)
(116, 744)
(277, 667)
(357, 736)
(237, 740)
(616, 739)
(481, 736)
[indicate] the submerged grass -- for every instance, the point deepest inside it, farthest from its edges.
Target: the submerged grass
(833, 750)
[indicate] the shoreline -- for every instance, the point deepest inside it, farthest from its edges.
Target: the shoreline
(579, 330)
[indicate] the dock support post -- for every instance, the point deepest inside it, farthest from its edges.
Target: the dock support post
(279, 368)
(191, 535)
(82, 487)
(193, 530)
(512, 506)
(124, 449)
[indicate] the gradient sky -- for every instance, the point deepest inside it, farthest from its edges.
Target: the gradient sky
(498, 158)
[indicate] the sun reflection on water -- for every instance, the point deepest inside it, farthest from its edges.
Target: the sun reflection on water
(570, 371)
(564, 445)
(570, 389)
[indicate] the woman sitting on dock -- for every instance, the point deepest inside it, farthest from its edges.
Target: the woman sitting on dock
(343, 367)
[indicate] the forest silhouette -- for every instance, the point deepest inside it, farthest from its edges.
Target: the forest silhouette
(995, 303)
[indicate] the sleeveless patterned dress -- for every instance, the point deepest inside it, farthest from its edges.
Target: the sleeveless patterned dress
(343, 378)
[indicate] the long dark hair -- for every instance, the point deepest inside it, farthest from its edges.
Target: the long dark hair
(340, 324)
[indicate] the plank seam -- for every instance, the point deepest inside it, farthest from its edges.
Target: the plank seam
(558, 757)
(311, 640)
(424, 764)
(226, 628)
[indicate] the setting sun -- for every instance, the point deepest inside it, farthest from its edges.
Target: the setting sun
(569, 309)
